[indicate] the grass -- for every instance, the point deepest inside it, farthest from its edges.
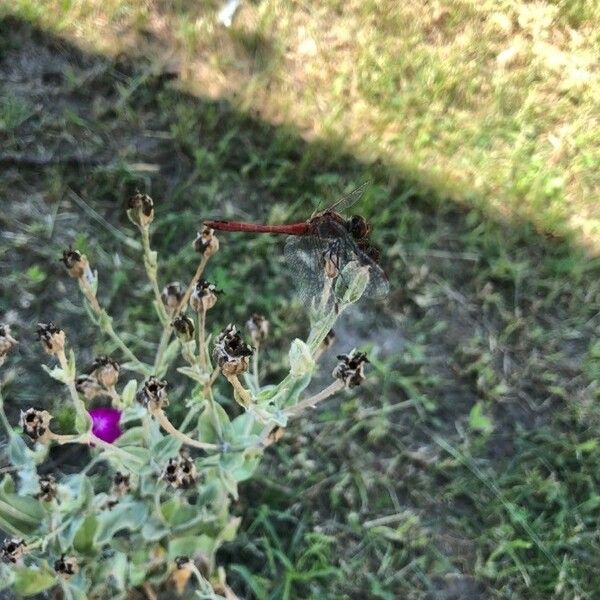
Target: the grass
(467, 466)
(493, 104)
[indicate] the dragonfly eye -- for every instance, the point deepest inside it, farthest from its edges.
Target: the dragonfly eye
(358, 227)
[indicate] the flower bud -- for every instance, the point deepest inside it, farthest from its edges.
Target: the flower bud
(77, 264)
(180, 472)
(7, 342)
(52, 337)
(141, 209)
(172, 295)
(153, 394)
(206, 242)
(12, 549)
(258, 326)
(121, 484)
(66, 566)
(204, 296)
(35, 424)
(184, 328)
(106, 371)
(88, 386)
(350, 369)
(231, 353)
(47, 488)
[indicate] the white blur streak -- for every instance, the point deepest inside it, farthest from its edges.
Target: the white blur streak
(225, 16)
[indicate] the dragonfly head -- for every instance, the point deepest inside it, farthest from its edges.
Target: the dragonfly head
(358, 227)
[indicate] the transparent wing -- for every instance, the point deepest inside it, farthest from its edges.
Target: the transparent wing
(305, 257)
(344, 203)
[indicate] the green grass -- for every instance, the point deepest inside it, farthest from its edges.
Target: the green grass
(466, 466)
(490, 103)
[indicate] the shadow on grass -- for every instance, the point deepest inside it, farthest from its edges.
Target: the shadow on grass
(466, 468)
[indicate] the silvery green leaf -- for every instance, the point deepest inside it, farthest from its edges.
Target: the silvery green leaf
(128, 394)
(209, 421)
(154, 530)
(83, 540)
(166, 447)
(76, 587)
(228, 533)
(83, 422)
(128, 458)
(131, 437)
(22, 513)
(132, 413)
(168, 357)
(31, 581)
(301, 360)
(192, 546)
(125, 515)
(194, 374)
(138, 367)
(357, 277)
(7, 576)
(28, 480)
(71, 366)
(18, 452)
(56, 373)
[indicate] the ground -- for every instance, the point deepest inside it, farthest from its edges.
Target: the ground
(466, 467)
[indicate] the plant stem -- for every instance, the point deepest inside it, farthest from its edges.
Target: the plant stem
(3, 417)
(240, 391)
(201, 339)
(105, 324)
(77, 402)
(186, 439)
(162, 345)
(190, 288)
(311, 402)
(255, 367)
(150, 265)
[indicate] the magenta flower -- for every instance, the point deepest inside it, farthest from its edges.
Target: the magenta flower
(105, 423)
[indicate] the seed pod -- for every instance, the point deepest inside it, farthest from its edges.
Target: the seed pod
(182, 561)
(47, 488)
(180, 472)
(258, 326)
(153, 394)
(121, 484)
(12, 549)
(350, 369)
(35, 424)
(52, 337)
(7, 342)
(106, 371)
(206, 242)
(140, 209)
(77, 264)
(88, 386)
(231, 353)
(331, 262)
(327, 342)
(204, 296)
(66, 566)
(184, 328)
(172, 295)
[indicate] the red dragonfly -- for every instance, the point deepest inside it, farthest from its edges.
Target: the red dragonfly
(326, 234)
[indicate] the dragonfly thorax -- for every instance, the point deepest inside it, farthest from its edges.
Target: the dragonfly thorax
(358, 227)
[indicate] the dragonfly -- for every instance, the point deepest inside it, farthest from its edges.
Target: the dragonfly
(327, 235)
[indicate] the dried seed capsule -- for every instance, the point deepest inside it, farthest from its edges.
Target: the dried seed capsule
(35, 424)
(153, 394)
(258, 326)
(172, 295)
(47, 488)
(66, 566)
(88, 386)
(184, 328)
(231, 353)
(350, 369)
(327, 342)
(12, 549)
(206, 242)
(7, 342)
(204, 296)
(141, 209)
(77, 264)
(106, 371)
(180, 472)
(331, 262)
(121, 484)
(182, 562)
(52, 337)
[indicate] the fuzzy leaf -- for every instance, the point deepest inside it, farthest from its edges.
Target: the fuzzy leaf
(83, 541)
(478, 421)
(192, 546)
(56, 373)
(301, 360)
(22, 513)
(194, 374)
(128, 393)
(126, 515)
(28, 582)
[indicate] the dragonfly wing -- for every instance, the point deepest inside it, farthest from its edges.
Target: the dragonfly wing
(344, 203)
(304, 255)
